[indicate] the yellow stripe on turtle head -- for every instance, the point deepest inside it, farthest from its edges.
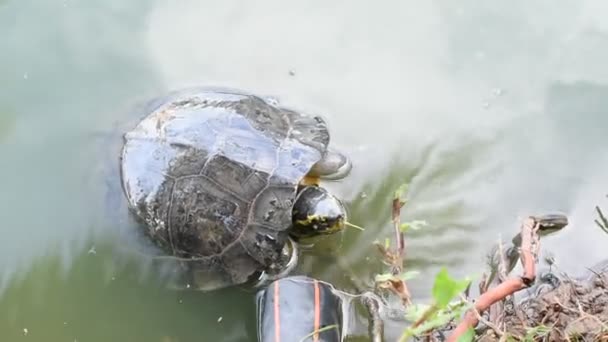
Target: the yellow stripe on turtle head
(311, 220)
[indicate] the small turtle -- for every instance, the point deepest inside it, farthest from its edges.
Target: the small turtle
(223, 180)
(548, 224)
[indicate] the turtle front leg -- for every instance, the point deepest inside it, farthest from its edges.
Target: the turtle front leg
(334, 165)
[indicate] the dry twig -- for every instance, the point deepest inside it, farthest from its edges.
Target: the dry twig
(395, 257)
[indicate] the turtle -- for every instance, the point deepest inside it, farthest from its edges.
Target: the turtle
(227, 182)
(548, 224)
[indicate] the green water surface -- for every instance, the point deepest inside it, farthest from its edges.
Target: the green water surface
(490, 111)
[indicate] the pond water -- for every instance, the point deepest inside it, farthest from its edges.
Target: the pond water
(490, 111)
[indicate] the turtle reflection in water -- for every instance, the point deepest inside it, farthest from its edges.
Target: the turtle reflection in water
(223, 180)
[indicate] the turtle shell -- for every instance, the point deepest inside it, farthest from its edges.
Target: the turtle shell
(213, 175)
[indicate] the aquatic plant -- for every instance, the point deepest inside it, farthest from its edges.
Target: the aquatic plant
(425, 317)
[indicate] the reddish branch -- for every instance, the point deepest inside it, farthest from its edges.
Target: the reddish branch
(528, 255)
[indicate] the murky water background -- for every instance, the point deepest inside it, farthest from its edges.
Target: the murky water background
(491, 111)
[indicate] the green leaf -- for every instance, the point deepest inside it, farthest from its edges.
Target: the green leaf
(537, 331)
(415, 311)
(383, 277)
(437, 318)
(403, 276)
(401, 190)
(418, 224)
(413, 225)
(407, 275)
(446, 288)
(387, 243)
(468, 336)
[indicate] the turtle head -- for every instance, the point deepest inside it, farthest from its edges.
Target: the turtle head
(317, 212)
